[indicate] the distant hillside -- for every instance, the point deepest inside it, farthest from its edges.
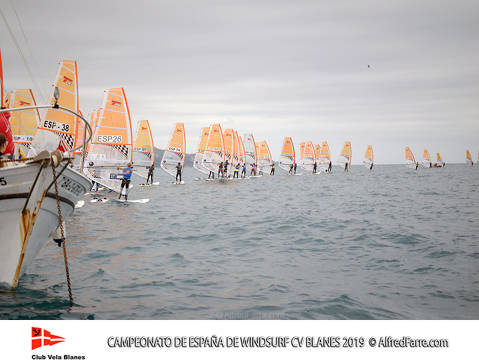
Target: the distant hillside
(159, 155)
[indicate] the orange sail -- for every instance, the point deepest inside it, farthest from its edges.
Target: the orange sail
(324, 156)
(197, 163)
(241, 150)
(236, 148)
(346, 154)
(143, 149)
(410, 160)
(317, 152)
(176, 151)
(265, 161)
(58, 127)
(24, 123)
(308, 157)
(214, 152)
(301, 150)
(288, 157)
(80, 135)
(251, 153)
(440, 162)
(426, 159)
(228, 135)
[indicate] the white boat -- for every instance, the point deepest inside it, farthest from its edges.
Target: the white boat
(28, 200)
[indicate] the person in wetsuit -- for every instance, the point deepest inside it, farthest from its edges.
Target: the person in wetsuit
(371, 166)
(272, 169)
(253, 169)
(417, 165)
(330, 166)
(236, 171)
(220, 170)
(125, 182)
(179, 167)
(243, 171)
(225, 168)
(346, 167)
(150, 173)
(291, 169)
(295, 166)
(315, 167)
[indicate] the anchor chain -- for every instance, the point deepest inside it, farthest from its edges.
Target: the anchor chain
(65, 258)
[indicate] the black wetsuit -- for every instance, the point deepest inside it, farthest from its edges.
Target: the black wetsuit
(272, 169)
(150, 174)
(295, 168)
(178, 172)
(291, 169)
(371, 166)
(330, 166)
(315, 167)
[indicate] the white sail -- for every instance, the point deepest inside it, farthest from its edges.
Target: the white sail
(250, 151)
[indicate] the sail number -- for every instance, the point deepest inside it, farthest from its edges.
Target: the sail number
(71, 186)
(109, 139)
(50, 124)
(3, 182)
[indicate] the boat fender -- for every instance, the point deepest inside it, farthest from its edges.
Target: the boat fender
(57, 157)
(57, 235)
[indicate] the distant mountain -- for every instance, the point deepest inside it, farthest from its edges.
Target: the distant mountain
(159, 155)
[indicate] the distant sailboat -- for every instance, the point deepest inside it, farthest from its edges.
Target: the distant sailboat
(214, 151)
(143, 149)
(250, 152)
(325, 156)
(410, 160)
(440, 162)
(176, 151)
(198, 161)
(25, 123)
(288, 156)
(265, 161)
(426, 159)
(112, 145)
(369, 158)
(469, 158)
(346, 155)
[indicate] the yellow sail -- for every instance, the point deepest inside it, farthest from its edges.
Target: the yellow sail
(369, 155)
(176, 151)
(439, 158)
(58, 121)
(24, 123)
(143, 149)
(469, 158)
(347, 153)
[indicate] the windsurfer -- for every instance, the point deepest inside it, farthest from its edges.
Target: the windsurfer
(226, 167)
(295, 166)
(125, 182)
(220, 170)
(346, 167)
(179, 167)
(236, 171)
(291, 168)
(272, 169)
(371, 166)
(330, 166)
(243, 171)
(151, 168)
(253, 169)
(417, 165)
(315, 167)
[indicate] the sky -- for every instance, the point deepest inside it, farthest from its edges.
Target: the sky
(274, 68)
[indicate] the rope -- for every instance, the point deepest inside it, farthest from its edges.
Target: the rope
(60, 219)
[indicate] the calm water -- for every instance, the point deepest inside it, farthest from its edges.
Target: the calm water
(391, 244)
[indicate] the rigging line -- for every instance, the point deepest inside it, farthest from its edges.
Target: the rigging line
(30, 53)
(21, 54)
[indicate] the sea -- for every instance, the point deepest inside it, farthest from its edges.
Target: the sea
(391, 243)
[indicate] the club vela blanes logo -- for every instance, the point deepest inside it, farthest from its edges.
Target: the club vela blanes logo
(42, 337)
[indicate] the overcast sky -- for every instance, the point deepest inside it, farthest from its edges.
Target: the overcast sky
(275, 68)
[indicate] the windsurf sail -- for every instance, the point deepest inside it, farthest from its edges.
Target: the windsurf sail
(241, 151)
(426, 159)
(57, 129)
(228, 136)
(236, 149)
(346, 154)
(265, 161)
(302, 145)
(250, 152)
(368, 157)
(215, 149)
(410, 160)
(288, 156)
(176, 151)
(325, 156)
(308, 157)
(25, 123)
(440, 162)
(111, 145)
(469, 158)
(197, 163)
(317, 152)
(143, 149)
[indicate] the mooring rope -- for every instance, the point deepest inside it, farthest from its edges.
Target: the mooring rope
(60, 219)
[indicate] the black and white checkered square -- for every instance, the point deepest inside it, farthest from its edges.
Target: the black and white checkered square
(68, 139)
(123, 149)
